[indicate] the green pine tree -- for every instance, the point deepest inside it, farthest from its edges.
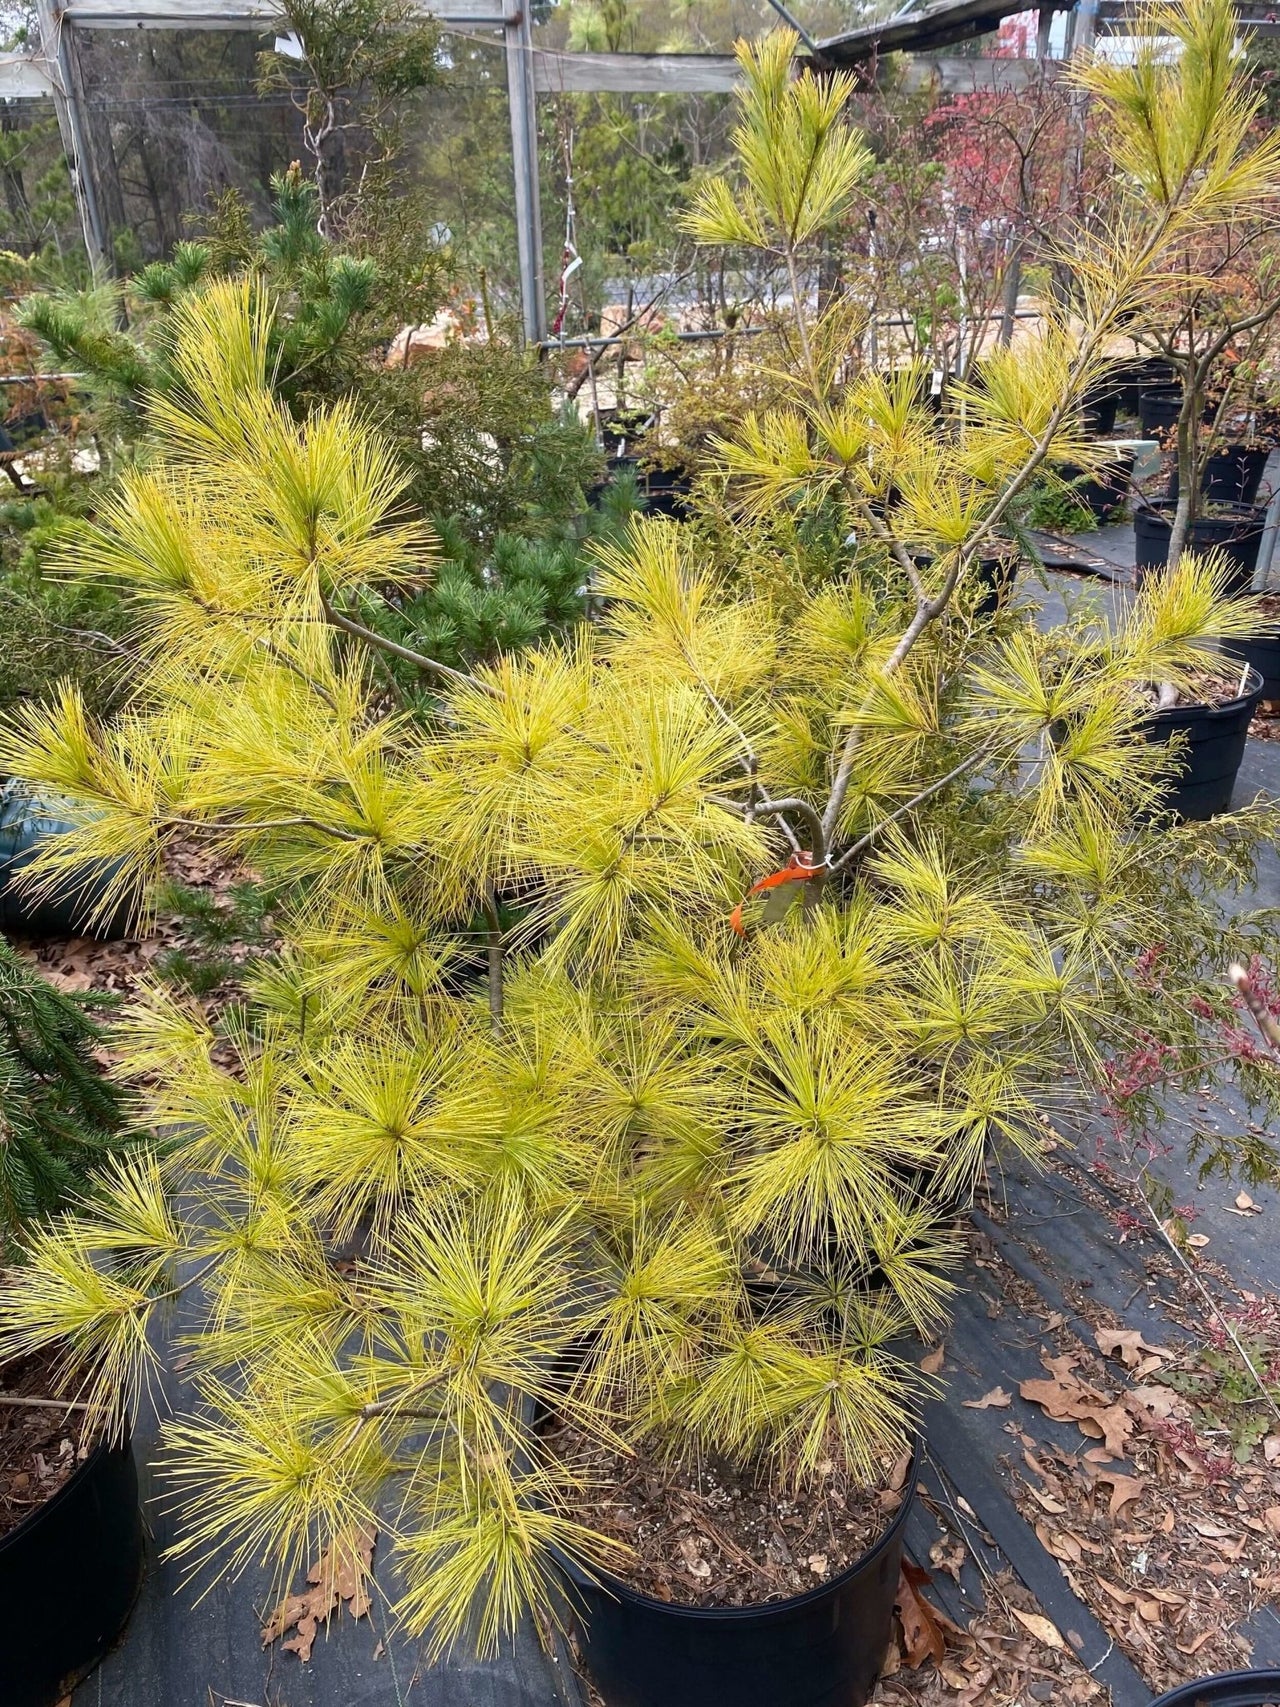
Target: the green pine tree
(59, 1117)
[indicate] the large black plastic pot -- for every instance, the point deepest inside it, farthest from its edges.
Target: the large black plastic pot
(25, 820)
(996, 576)
(1228, 1689)
(1133, 377)
(1231, 476)
(69, 1574)
(1213, 746)
(1234, 530)
(667, 492)
(1102, 491)
(996, 579)
(1158, 408)
(820, 1649)
(1263, 652)
(1099, 407)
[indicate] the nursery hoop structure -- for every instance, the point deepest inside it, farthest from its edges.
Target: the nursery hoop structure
(53, 72)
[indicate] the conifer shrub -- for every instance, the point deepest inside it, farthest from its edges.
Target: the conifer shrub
(60, 1117)
(650, 998)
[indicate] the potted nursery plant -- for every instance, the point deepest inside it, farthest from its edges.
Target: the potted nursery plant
(70, 1522)
(1214, 329)
(571, 1185)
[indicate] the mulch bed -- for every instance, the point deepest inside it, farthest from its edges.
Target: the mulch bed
(705, 1534)
(40, 1445)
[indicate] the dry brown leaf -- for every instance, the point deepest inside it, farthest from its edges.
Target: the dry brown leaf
(932, 1362)
(1128, 1344)
(996, 1400)
(1244, 1205)
(1125, 1596)
(922, 1629)
(1040, 1627)
(1061, 1543)
(1197, 1241)
(1111, 1424)
(1123, 1489)
(1047, 1502)
(1194, 1646)
(949, 1556)
(339, 1578)
(1271, 1448)
(1271, 1517)
(1158, 1401)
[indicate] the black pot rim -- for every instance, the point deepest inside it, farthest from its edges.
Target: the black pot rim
(598, 1577)
(1228, 708)
(82, 1471)
(1227, 510)
(1266, 1681)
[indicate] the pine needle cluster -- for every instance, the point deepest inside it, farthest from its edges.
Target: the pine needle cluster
(650, 998)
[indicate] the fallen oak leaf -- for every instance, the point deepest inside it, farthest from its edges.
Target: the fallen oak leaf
(996, 1400)
(1128, 1344)
(932, 1363)
(1112, 1424)
(1194, 1646)
(338, 1579)
(1123, 1489)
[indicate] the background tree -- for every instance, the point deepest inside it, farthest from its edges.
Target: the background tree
(350, 70)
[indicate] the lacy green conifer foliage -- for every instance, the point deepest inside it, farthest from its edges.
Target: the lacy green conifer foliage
(60, 1119)
(546, 1061)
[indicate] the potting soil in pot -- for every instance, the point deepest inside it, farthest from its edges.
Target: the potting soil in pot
(704, 1534)
(39, 1447)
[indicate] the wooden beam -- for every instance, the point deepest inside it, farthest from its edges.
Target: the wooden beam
(24, 76)
(634, 73)
(241, 14)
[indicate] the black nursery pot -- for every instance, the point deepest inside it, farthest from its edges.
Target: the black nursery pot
(1235, 531)
(1159, 407)
(69, 1575)
(1263, 652)
(667, 492)
(1102, 491)
(1231, 476)
(1131, 378)
(25, 820)
(996, 576)
(1228, 1689)
(1100, 405)
(1215, 737)
(820, 1649)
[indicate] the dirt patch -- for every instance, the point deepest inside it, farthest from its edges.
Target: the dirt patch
(40, 1445)
(703, 1533)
